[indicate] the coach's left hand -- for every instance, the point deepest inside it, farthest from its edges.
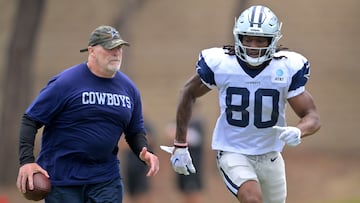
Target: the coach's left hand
(151, 160)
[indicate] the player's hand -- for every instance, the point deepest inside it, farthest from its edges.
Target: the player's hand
(151, 160)
(180, 160)
(290, 135)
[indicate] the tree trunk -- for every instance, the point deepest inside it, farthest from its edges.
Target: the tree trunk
(129, 9)
(17, 83)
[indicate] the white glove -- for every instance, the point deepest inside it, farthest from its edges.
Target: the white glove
(290, 135)
(180, 160)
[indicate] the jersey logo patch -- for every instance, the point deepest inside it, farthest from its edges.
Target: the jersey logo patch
(279, 76)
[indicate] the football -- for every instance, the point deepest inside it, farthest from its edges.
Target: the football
(42, 187)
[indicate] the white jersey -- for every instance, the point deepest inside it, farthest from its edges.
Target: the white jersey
(251, 101)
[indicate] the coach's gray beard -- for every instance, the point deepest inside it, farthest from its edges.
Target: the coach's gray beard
(114, 68)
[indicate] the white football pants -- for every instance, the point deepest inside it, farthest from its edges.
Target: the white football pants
(267, 169)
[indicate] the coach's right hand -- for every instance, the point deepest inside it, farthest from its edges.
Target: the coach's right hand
(26, 173)
(180, 160)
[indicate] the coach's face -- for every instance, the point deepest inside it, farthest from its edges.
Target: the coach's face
(108, 59)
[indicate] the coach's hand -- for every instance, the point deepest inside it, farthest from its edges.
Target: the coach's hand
(180, 159)
(290, 135)
(25, 175)
(151, 160)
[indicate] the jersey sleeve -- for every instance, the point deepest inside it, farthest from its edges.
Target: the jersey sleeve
(209, 59)
(299, 67)
(136, 124)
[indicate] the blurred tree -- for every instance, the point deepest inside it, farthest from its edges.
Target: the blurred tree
(129, 7)
(120, 22)
(17, 83)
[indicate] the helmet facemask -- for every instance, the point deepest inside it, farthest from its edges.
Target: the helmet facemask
(257, 21)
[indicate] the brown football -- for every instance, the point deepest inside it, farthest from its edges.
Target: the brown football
(42, 187)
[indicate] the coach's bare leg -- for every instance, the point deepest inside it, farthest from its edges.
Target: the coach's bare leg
(250, 192)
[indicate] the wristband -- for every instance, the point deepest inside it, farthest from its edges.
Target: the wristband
(180, 145)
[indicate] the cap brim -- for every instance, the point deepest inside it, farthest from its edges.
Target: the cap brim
(110, 44)
(84, 50)
(114, 43)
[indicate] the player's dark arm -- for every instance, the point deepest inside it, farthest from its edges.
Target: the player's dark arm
(305, 108)
(28, 130)
(136, 142)
(192, 89)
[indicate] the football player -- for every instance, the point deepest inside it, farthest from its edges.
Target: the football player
(254, 79)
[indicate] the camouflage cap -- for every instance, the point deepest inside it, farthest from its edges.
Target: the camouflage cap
(106, 36)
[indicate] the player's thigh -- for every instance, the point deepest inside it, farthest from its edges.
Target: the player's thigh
(107, 192)
(236, 169)
(273, 178)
